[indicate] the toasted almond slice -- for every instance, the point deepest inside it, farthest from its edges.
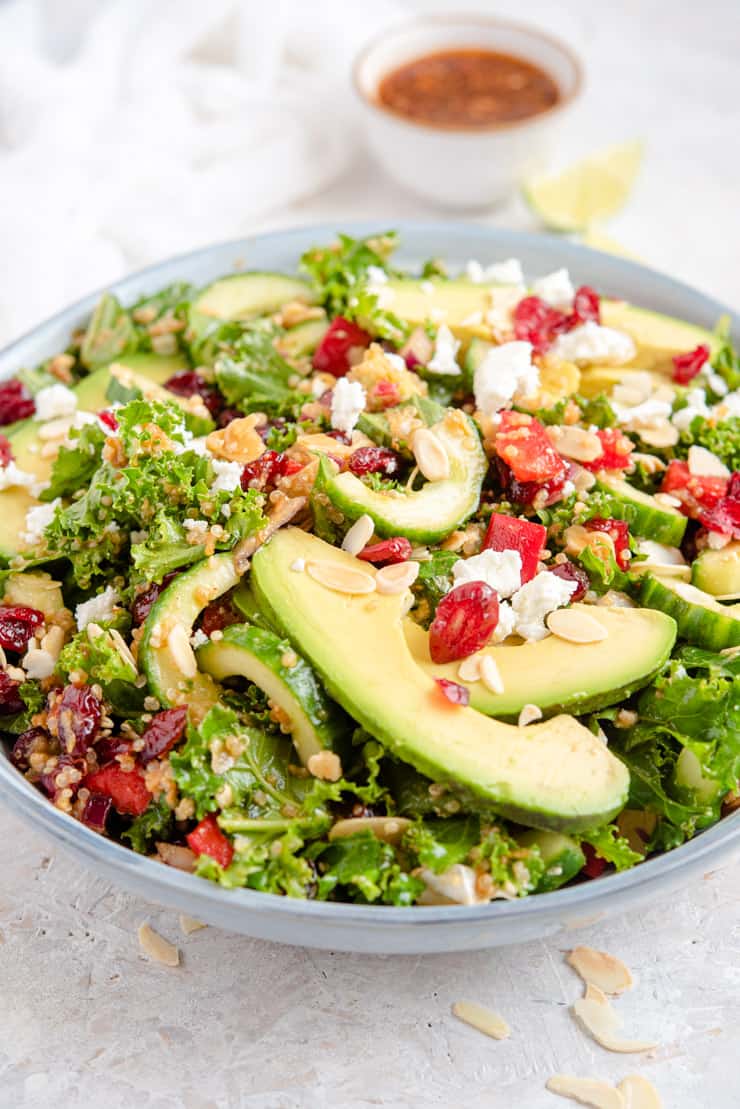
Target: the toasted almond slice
(390, 829)
(529, 714)
(638, 1093)
(703, 463)
(667, 499)
(586, 1091)
(178, 643)
(430, 454)
(469, 669)
(599, 968)
(157, 948)
(188, 925)
(490, 674)
(397, 577)
(359, 535)
(342, 579)
(664, 435)
(181, 858)
(597, 1017)
(576, 626)
(576, 443)
(485, 1020)
(122, 647)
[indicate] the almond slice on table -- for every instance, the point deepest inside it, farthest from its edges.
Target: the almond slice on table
(586, 1091)
(597, 1017)
(576, 626)
(485, 1020)
(341, 579)
(431, 457)
(600, 969)
(188, 925)
(638, 1093)
(397, 577)
(157, 948)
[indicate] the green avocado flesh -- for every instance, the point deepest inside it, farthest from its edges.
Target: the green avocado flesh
(646, 516)
(701, 619)
(26, 445)
(657, 338)
(559, 676)
(432, 512)
(555, 774)
(165, 654)
(316, 723)
(718, 572)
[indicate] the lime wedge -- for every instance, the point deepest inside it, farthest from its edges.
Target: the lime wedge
(588, 192)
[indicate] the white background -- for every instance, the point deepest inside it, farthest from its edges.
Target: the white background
(84, 1020)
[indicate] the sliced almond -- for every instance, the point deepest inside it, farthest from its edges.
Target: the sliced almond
(485, 1020)
(188, 925)
(182, 654)
(469, 668)
(576, 442)
(651, 462)
(702, 463)
(638, 1093)
(597, 1017)
(490, 674)
(431, 457)
(586, 1091)
(598, 968)
(389, 829)
(157, 948)
(575, 626)
(396, 578)
(529, 714)
(359, 535)
(663, 435)
(342, 579)
(181, 858)
(667, 499)
(122, 647)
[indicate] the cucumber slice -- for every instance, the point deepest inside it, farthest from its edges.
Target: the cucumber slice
(165, 654)
(316, 723)
(646, 516)
(718, 572)
(690, 781)
(701, 619)
(562, 856)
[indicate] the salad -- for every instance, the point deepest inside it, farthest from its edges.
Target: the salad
(380, 586)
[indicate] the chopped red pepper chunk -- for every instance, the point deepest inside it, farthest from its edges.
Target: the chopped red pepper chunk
(524, 446)
(687, 366)
(208, 839)
(126, 788)
(616, 451)
(696, 492)
(334, 354)
(619, 533)
(509, 533)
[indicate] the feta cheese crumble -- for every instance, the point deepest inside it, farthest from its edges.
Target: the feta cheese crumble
(509, 272)
(228, 476)
(650, 413)
(377, 284)
(505, 371)
(446, 346)
(696, 406)
(506, 622)
(590, 342)
(12, 476)
(37, 520)
(556, 289)
(198, 639)
(54, 401)
(537, 599)
(38, 664)
(502, 570)
(347, 404)
(97, 609)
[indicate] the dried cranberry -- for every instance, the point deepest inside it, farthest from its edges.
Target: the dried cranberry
(465, 620)
(143, 602)
(10, 698)
(111, 747)
(618, 532)
(264, 429)
(456, 694)
(189, 383)
(17, 624)
(226, 415)
(595, 865)
(6, 453)
(335, 353)
(78, 713)
(108, 418)
(218, 615)
(386, 551)
(586, 307)
(266, 470)
(527, 492)
(724, 517)
(67, 773)
(537, 323)
(166, 729)
(374, 460)
(687, 366)
(30, 741)
(16, 403)
(96, 811)
(733, 486)
(568, 571)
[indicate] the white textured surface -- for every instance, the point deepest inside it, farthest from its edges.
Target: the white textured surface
(85, 1021)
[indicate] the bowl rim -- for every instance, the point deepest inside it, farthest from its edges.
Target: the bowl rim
(462, 19)
(153, 877)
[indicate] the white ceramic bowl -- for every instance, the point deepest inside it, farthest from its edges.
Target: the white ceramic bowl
(371, 928)
(463, 168)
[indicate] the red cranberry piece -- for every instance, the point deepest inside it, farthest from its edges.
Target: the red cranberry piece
(226, 415)
(537, 323)
(6, 453)
(527, 492)
(465, 620)
(34, 739)
(724, 517)
(335, 353)
(260, 473)
(568, 571)
(17, 624)
(111, 747)
(387, 551)
(595, 865)
(188, 383)
(67, 773)
(455, 694)
(619, 532)
(96, 811)
(108, 418)
(264, 429)
(16, 403)
(78, 713)
(733, 487)
(374, 460)
(687, 366)
(143, 602)
(166, 729)
(218, 615)
(10, 699)
(586, 307)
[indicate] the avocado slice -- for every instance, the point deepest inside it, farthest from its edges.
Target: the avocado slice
(165, 654)
(718, 572)
(556, 774)
(562, 856)
(435, 510)
(646, 516)
(701, 619)
(559, 676)
(658, 338)
(316, 723)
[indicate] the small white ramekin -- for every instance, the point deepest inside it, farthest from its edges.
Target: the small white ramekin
(463, 167)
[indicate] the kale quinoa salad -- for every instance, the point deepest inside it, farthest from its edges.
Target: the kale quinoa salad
(367, 585)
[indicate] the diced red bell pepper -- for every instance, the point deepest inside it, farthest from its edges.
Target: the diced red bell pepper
(687, 366)
(619, 533)
(208, 839)
(616, 451)
(524, 446)
(334, 353)
(697, 493)
(508, 533)
(126, 788)
(595, 865)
